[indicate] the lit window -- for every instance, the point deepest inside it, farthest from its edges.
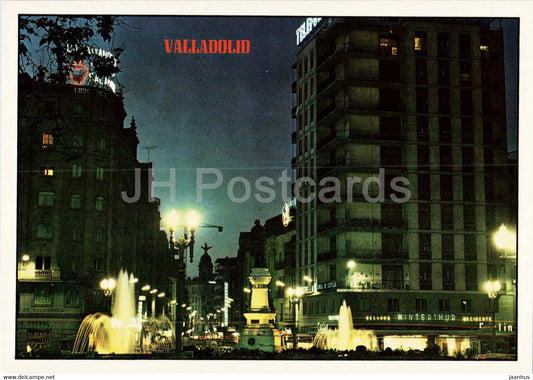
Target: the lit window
(75, 202)
(419, 44)
(76, 171)
(100, 174)
(48, 172)
(484, 48)
(48, 139)
(99, 204)
(44, 231)
(46, 199)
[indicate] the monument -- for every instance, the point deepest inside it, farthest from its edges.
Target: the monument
(259, 331)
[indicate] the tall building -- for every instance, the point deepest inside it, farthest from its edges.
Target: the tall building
(75, 158)
(422, 99)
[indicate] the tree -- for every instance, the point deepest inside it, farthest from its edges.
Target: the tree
(63, 40)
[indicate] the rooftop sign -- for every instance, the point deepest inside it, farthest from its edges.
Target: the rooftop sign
(306, 28)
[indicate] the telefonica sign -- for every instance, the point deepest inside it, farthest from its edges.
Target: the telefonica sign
(306, 28)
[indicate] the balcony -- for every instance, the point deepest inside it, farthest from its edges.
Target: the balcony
(29, 274)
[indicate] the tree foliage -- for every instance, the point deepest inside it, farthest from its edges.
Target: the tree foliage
(63, 40)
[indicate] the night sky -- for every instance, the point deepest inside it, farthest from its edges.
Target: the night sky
(230, 112)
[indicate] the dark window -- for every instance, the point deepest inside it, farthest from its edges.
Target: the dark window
(469, 190)
(424, 246)
(466, 305)
(448, 276)
(389, 71)
(446, 214)
(444, 100)
(423, 157)
(45, 231)
(487, 132)
(446, 187)
(422, 128)
(443, 49)
(424, 273)
(389, 99)
(71, 297)
(466, 102)
(446, 158)
(393, 304)
(98, 264)
(465, 70)
(468, 159)
(392, 245)
(43, 263)
(443, 67)
(489, 189)
(421, 71)
(46, 199)
(75, 201)
(444, 304)
(424, 187)
(424, 216)
(486, 103)
(470, 247)
(445, 130)
(467, 131)
(469, 215)
(392, 215)
(447, 246)
(471, 277)
(464, 45)
(422, 100)
(42, 295)
(421, 305)
(364, 305)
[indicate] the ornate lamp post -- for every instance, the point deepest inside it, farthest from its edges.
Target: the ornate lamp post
(179, 250)
(294, 295)
(492, 288)
(108, 285)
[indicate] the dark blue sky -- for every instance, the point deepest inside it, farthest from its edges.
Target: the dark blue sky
(230, 112)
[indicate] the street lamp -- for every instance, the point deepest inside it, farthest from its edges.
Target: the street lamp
(294, 300)
(505, 240)
(178, 248)
(492, 288)
(108, 285)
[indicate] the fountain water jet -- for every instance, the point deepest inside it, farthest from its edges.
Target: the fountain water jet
(116, 334)
(345, 337)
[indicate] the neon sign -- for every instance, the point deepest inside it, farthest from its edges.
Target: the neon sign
(80, 74)
(306, 28)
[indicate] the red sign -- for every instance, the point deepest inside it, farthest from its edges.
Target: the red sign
(78, 73)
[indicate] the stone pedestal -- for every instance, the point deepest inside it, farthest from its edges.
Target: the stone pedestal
(259, 331)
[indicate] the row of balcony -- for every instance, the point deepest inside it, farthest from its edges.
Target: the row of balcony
(366, 254)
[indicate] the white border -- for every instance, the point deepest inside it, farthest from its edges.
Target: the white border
(8, 153)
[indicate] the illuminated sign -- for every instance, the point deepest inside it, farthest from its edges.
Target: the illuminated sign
(326, 285)
(80, 74)
(426, 317)
(306, 28)
(286, 215)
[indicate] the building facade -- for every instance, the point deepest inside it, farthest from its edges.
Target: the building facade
(74, 228)
(379, 102)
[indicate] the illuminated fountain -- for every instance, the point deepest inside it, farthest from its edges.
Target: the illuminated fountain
(116, 334)
(345, 337)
